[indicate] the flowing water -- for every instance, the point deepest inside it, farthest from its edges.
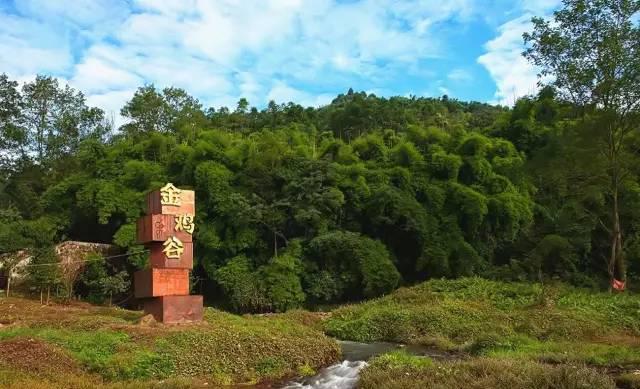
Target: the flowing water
(344, 375)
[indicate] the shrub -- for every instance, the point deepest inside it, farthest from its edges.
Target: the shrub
(282, 282)
(241, 285)
(353, 264)
(445, 166)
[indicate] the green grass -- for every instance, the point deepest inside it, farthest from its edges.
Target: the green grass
(400, 359)
(247, 349)
(596, 354)
(500, 319)
(463, 310)
(112, 349)
(399, 371)
(110, 353)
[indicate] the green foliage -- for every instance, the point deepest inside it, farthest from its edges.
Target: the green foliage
(405, 154)
(103, 281)
(243, 349)
(445, 166)
(555, 256)
(94, 350)
(44, 271)
(346, 264)
(402, 359)
(596, 354)
(399, 190)
(241, 285)
(281, 278)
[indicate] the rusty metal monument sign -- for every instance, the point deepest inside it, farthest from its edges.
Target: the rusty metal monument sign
(167, 231)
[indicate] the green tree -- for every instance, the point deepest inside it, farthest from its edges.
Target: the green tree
(281, 278)
(56, 119)
(591, 50)
(102, 281)
(241, 284)
(20, 239)
(44, 271)
(13, 137)
(171, 110)
(344, 265)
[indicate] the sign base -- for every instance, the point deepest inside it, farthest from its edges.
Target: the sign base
(175, 309)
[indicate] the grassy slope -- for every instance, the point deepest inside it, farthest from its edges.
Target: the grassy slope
(515, 324)
(85, 346)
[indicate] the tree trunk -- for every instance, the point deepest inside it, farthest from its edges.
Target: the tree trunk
(9, 283)
(617, 268)
(48, 293)
(275, 245)
(40, 296)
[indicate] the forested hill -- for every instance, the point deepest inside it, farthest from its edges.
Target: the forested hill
(321, 205)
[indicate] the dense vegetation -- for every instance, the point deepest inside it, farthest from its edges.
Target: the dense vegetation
(430, 188)
(351, 200)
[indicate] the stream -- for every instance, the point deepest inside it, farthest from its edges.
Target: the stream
(344, 375)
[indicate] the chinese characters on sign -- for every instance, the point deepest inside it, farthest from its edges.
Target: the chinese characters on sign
(167, 230)
(173, 248)
(170, 195)
(185, 223)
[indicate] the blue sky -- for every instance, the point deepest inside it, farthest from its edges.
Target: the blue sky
(305, 51)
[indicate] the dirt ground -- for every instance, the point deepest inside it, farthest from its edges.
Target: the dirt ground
(35, 356)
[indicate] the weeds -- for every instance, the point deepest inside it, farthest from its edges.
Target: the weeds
(399, 371)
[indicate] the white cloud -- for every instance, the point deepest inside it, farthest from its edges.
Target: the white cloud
(540, 7)
(94, 75)
(250, 87)
(282, 93)
(168, 6)
(459, 75)
(513, 75)
(111, 102)
(85, 13)
(443, 90)
(222, 50)
(29, 47)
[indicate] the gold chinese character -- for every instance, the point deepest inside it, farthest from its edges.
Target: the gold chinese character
(170, 195)
(173, 248)
(185, 223)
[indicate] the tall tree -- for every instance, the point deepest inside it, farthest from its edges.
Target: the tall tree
(56, 119)
(591, 52)
(169, 110)
(13, 138)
